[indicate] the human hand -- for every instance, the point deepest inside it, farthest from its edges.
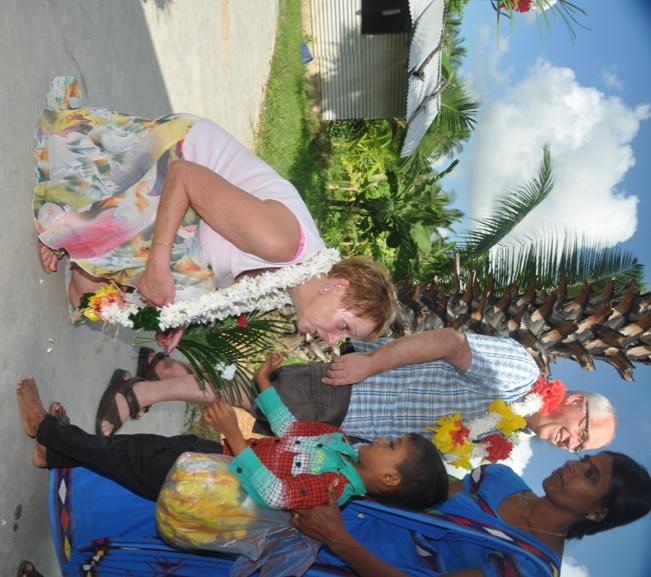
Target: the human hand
(263, 372)
(221, 416)
(324, 522)
(156, 284)
(350, 369)
(170, 338)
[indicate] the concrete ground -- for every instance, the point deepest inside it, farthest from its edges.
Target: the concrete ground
(146, 57)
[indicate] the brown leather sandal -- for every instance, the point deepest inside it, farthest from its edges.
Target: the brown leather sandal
(147, 370)
(121, 383)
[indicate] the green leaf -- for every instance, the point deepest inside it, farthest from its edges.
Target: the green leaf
(422, 236)
(147, 318)
(511, 209)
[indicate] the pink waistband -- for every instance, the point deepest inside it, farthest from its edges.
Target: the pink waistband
(301, 243)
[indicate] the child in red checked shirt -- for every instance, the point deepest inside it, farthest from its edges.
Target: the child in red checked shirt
(295, 469)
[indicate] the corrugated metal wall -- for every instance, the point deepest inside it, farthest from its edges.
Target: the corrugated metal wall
(359, 76)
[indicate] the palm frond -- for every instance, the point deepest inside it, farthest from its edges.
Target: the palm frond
(544, 256)
(511, 209)
(211, 348)
(459, 107)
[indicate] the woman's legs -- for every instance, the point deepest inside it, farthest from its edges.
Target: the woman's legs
(81, 282)
(178, 383)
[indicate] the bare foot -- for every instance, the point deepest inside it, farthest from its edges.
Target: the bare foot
(30, 405)
(57, 409)
(49, 257)
(39, 456)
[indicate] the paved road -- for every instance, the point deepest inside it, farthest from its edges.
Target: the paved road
(147, 57)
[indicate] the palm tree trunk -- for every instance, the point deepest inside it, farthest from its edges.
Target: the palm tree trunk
(611, 326)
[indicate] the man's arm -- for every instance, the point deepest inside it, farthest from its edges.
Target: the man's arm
(443, 344)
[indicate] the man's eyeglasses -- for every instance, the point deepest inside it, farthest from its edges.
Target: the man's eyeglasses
(584, 435)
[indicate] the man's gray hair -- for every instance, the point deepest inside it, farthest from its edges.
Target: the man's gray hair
(600, 407)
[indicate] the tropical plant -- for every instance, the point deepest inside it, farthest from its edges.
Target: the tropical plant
(381, 206)
(456, 6)
(558, 297)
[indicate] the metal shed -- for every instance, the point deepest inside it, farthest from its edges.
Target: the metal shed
(379, 59)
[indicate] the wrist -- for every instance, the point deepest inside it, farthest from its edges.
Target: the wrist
(263, 383)
(375, 361)
(342, 542)
(235, 440)
(159, 252)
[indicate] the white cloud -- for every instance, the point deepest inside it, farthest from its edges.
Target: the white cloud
(611, 80)
(486, 67)
(590, 137)
(520, 455)
(571, 568)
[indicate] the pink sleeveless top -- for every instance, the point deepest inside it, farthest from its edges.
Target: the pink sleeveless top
(211, 146)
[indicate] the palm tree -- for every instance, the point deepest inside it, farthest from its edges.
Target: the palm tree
(559, 298)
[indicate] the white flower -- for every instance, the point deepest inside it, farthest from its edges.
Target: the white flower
(226, 371)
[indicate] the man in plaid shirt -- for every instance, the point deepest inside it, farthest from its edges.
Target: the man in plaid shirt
(403, 385)
(292, 471)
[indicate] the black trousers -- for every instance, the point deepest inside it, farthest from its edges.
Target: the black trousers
(138, 462)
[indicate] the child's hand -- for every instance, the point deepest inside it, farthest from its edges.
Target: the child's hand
(262, 373)
(221, 417)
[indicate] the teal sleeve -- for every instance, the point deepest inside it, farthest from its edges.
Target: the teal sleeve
(257, 480)
(279, 416)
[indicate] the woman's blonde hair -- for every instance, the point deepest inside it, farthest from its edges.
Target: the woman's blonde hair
(370, 294)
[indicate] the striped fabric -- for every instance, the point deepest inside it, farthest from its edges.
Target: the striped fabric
(409, 398)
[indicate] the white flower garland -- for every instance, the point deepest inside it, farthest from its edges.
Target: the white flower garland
(265, 292)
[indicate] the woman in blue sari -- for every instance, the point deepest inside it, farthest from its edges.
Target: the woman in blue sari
(492, 525)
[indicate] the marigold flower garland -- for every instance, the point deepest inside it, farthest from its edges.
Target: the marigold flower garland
(492, 437)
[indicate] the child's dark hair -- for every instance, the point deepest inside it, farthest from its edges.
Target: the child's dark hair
(629, 497)
(424, 480)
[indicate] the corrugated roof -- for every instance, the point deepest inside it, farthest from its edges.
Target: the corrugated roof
(425, 81)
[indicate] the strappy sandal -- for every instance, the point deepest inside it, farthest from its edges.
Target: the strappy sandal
(147, 370)
(58, 253)
(121, 383)
(27, 569)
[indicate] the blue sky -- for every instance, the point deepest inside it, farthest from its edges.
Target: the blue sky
(590, 100)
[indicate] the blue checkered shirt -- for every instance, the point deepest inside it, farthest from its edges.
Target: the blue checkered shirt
(407, 399)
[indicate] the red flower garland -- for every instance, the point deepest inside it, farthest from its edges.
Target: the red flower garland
(459, 436)
(497, 446)
(552, 393)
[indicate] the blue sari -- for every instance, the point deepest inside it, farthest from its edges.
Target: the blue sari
(102, 530)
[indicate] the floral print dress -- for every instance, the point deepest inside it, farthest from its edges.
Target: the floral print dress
(99, 178)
